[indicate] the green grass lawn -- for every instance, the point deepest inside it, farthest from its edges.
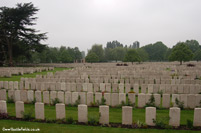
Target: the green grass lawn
(93, 112)
(18, 77)
(66, 128)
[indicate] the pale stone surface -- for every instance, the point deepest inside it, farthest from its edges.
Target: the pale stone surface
(166, 100)
(5, 85)
(131, 97)
(21, 85)
(197, 117)
(82, 97)
(191, 99)
(39, 111)
(136, 88)
(108, 87)
(115, 99)
(183, 98)
(10, 85)
(121, 88)
(17, 95)
(107, 97)
(174, 115)
(19, 109)
(144, 88)
(85, 86)
(114, 87)
(46, 97)
(82, 113)
(60, 111)
(150, 88)
(150, 115)
(90, 87)
(98, 97)
(30, 96)
(11, 94)
(102, 87)
(63, 86)
(27, 85)
(180, 89)
(23, 96)
(156, 88)
(141, 100)
(1, 84)
(122, 98)
(127, 115)
(197, 99)
(104, 114)
(148, 96)
(3, 107)
(68, 97)
(16, 87)
(174, 96)
(53, 96)
(157, 98)
(127, 88)
(33, 85)
(74, 97)
(3, 95)
(90, 98)
(38, 96)
(174, 89)
(60, 96)
(162, 88)
(79, 87)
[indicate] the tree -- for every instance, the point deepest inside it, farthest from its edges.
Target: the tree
(193, 45)
(197, 55)
(143, 54)
(98, 50)
(16, 32)
(156, 51)
(132, 56)
(92, 57)
(181, 52)
(118, 53)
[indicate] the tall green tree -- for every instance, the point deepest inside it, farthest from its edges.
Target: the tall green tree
(142, 54)
(156, 51)
(197, 55)
(16, 35)
(181, 52)
(193, 45)
(92, 57)
(132, 56)
(98, 50)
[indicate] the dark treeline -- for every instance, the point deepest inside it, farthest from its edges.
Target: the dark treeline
(116, 51)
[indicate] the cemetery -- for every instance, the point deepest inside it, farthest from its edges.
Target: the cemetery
(148, 82)
(147, 95)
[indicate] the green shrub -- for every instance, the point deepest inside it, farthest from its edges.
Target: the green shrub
(69, 120)
(55, 101)
(179, 104)
(77, 102)
(10, 100)
(161, 122)
(189, 124)
(92, 120)
(28, 115)
(34, 101)
(151, 102)
(103, 101)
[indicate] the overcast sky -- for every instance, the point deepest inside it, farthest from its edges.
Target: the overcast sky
(83, 23)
